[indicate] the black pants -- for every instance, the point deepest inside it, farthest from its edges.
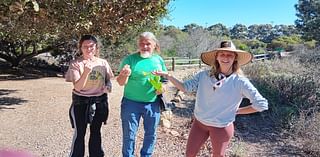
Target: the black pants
(80, 117)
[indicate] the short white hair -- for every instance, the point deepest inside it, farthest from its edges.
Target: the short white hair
(149, 35)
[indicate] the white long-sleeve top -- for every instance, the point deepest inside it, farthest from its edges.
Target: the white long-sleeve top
(218, 107)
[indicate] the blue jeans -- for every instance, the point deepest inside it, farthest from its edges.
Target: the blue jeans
(131, 112)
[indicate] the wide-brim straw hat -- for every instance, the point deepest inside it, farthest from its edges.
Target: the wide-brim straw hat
(243, 57)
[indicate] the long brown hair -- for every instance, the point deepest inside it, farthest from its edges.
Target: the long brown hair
(216, 70)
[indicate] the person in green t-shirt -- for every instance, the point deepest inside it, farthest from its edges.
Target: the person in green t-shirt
(140, 97)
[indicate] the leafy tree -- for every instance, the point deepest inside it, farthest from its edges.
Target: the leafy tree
(30, 27)
(285, 42)
(308, 22)
(190, 27)
(256, 44)
(263, 32)
(218, 30)
(170, 38)
(310, 44)
(197, 41)
(174, 32)
(239, 31)
(287, 30)
(240, 44)
(194, 44)
(253, 32)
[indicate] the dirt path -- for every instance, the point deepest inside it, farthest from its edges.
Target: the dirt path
(34, 117)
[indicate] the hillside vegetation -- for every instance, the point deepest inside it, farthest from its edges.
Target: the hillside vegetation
(291, 86)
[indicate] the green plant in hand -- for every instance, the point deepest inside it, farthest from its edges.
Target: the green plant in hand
(154, 80)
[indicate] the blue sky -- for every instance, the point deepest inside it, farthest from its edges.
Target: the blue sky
(231, 12)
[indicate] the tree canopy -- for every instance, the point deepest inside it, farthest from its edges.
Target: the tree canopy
(30, 27)
(308, 22)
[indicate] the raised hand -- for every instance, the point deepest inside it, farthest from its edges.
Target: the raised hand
(88, 66)
(125, 71)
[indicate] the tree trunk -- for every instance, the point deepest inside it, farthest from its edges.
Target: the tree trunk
(11, 56)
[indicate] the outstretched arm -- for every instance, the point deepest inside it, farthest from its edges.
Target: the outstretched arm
(178, 84)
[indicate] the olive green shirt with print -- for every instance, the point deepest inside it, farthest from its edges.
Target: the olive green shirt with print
(138, 87)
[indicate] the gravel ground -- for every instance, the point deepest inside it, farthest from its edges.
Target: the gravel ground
(34, 118)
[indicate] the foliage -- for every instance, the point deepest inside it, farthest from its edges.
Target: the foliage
(286, 30)
(241, 45)
(190, 27)
(238, 148)
(198, 40)
(308, 22)
(255, 44)
(194, 39)
(310, 59)
(292, 88)
(154, 80)
(306, 132)
(219, 30)
(285, 42)
(261, 32)
(170, 38)
(239, 31)
(66, 18)
(289, 87)
(30, 27)
(310, 44)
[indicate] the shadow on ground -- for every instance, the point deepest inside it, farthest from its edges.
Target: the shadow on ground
(186, 110)
(7, 102)
(9, 73)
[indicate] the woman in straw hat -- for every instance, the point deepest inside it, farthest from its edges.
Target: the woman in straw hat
(219, 92)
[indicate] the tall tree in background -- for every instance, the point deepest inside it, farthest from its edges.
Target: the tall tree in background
(31, 27)
(308, 22)
(170, 38)
(218, 30)
(239, 31)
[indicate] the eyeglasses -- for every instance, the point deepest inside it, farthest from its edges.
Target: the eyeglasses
(89, 46)
(219, 83)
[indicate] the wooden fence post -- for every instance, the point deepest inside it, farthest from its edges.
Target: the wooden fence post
(173, 63)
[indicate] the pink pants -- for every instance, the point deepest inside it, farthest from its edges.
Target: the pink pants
(199, 133)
